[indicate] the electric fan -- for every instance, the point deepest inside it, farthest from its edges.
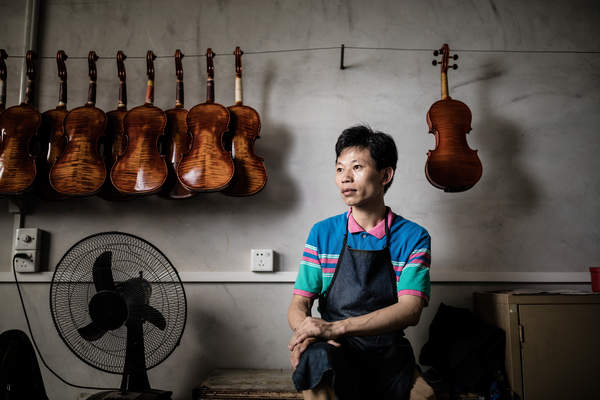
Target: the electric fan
(119, 305)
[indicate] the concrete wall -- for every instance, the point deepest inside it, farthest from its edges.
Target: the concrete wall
(534, 122)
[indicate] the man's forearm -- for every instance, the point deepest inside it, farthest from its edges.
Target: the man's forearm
(298, 311)
(392, 318)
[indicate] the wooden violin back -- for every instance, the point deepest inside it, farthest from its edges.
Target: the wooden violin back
(207, 166)
(114, 143)
(52, 135)
(177, 137)
(80, 170)
(250, 173)
(18, 126)
(452, 166)
(142, 169)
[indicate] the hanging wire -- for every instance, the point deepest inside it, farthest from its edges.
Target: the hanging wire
(401, 49)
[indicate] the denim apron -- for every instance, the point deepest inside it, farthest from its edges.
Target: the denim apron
(364, 367)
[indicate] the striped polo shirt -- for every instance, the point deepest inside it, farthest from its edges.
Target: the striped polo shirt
(410, 249)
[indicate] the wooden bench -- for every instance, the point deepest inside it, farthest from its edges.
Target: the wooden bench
(266, 384)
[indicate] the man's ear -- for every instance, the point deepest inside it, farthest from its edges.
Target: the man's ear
(388, 174)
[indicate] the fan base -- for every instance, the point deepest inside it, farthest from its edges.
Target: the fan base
(152, 394)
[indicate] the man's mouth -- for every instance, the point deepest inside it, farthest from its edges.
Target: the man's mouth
(347, 192)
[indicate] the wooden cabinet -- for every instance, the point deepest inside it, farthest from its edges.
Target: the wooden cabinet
(552, 342)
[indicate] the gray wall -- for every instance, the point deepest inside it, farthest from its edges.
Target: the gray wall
(535, 118)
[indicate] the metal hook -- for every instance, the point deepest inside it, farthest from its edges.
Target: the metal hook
(342, 57)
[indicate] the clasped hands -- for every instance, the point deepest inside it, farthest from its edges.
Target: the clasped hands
(312, 330)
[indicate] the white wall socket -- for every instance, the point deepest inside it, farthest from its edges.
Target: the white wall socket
(261, 260)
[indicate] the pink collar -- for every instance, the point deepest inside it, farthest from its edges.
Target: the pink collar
(378, 230)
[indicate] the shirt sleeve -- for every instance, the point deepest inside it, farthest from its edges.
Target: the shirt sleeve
(414, 279)
(310, 278)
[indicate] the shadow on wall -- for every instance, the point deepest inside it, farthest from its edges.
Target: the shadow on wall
(279, 195)
(488, 214)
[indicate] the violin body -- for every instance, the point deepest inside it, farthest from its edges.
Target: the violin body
(250, 173)
(452, 166)
(207, 166)
(114, 147)
(176, 132)
(18, 126)
(141, 169)
(80, 170)
(52, 145)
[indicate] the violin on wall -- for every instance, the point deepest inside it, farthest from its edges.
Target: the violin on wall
(18, 126)
(452, 166)
(142, 169)
(250, 173)
(52, 134)
(80, 170)
(207, 166)
(177, 136)
(114, 142)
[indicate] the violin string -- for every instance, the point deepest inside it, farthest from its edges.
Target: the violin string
(400, 49)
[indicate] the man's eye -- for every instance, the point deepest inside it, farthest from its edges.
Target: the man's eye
(357, 166)
(338, 170)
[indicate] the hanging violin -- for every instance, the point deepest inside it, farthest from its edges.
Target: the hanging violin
(114, 142)
(452, 165)
(250, 174)
(207, 166)
(18, 126)
(142, 169)
(52, 134)
(177, 137)
(80, 170)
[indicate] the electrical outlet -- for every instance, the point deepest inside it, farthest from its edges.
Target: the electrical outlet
(27, 261)
(261, 260)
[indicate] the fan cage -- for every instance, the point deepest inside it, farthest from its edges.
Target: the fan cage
(72, 288)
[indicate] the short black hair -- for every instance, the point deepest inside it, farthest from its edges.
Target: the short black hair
(381, 146)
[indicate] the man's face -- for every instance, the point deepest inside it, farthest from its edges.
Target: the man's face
(357, 177)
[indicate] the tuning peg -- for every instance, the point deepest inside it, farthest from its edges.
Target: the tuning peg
(455, 57)
(434, 63)
(454, 66)
(436, 53)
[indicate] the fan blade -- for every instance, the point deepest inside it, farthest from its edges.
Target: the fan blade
(91, 332)
(102, 272)
(154, 316)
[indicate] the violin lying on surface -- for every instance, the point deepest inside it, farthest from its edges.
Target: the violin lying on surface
(18, 126)
(80, 170)
(452, 165)
(250, 174)
(114, 142)
(52, 134)
(177, 137)
(207, 166)
(142, 169)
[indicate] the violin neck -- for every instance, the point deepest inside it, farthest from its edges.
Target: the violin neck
(62, 93)
(28, 92)
(239, 95)
(2, 94)
(445, 94)
(150, 92)
(210, 90)
(122, 95)
(92, 94)
(179, 93)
